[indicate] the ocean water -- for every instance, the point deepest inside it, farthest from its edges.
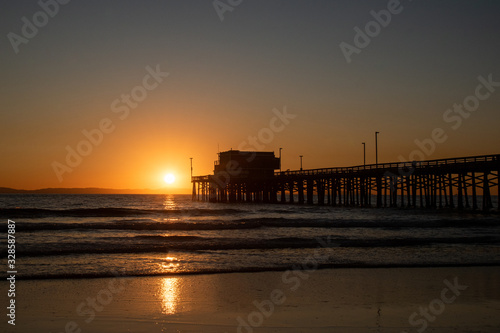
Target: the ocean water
(74, 236)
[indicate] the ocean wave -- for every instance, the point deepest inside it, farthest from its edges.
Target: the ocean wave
(167, 238)
(275, 268)
(250, 223)
(135, 225)
(108, 212)
(164, 244)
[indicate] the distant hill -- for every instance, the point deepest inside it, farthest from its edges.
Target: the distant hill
(88, 190)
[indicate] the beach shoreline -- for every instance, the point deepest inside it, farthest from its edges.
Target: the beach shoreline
(326, 300)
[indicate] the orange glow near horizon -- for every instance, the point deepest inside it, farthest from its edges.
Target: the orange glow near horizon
(113, 166)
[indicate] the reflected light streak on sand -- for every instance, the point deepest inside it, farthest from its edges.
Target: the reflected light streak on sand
(169, 294)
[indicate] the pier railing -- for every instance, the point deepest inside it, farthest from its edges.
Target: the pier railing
(394, 165)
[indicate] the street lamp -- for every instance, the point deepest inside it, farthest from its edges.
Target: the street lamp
(301, 162)
(376, 148)
(191, 167)
(364, 154)
(280, 159)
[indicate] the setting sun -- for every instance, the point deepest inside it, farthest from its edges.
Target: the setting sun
(169, 178)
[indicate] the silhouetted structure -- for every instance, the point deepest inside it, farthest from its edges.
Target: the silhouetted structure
(454, 182)
(246, 165)
(238, 176)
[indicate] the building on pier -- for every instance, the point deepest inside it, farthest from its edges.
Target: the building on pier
(241, 165)
(238, 176)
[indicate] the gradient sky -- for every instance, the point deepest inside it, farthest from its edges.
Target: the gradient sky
(225, 79)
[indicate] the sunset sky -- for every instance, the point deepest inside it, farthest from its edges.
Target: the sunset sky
(229, 79)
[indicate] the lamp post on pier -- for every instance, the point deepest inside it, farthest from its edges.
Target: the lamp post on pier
(193, 195)
(301, 162)
(191, 167)
(376, 148)
(280, 159)
(364, 154)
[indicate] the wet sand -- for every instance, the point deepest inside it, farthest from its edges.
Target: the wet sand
(461, 299)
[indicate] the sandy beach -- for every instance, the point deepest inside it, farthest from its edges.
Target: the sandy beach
(461, 299)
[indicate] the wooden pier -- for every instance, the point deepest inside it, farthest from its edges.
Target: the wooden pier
(462, 183)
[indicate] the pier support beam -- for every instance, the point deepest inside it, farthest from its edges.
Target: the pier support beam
(450, 184)
(460, 204)
(487, 204)
(300, 188)
(320, 188)
(379, 191)
(310, 191)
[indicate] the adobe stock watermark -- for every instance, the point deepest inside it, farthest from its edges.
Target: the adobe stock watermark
(11, 271)
(120, 106)
(30, 28)
(96, 304)
(292, 279)
(420, 320)
(453, 116)
(256, 142)
(222, 6)
(372, 29)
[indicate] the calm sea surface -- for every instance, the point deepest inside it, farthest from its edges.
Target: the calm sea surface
(68, 236)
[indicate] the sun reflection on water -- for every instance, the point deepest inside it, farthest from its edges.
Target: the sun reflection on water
(169, 264)
(169, 202)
